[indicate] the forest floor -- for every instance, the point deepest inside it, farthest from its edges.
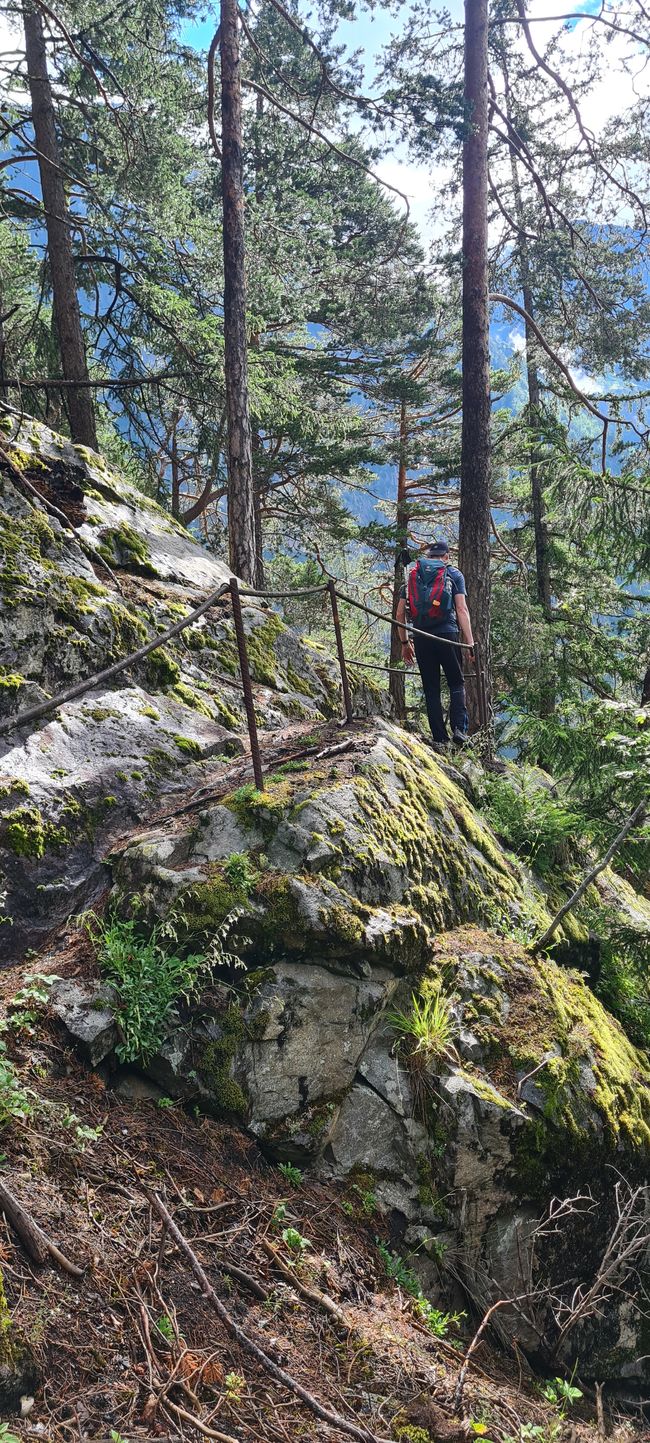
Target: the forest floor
(134, 1350)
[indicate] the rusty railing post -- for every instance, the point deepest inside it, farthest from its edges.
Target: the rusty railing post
(347, 698)
(482, 700)
(240, 634)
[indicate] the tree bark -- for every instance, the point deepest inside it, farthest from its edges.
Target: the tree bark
(542, 558)
(542, 561)
(396, 683)
(241, 508)
(67, 316)
(474, 541)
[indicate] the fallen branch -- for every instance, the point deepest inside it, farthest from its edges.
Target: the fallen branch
(460, 1384)
(638, 816)
(197, 1423)
(32, 1237)
(313, 1295)
(33, 713)
(327, 1415)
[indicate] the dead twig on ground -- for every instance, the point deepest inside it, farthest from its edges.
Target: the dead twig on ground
(313, 1295)
(31, 1235)
(335, 1420)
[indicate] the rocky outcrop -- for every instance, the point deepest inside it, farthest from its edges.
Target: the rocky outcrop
(371, 881)
(363, 881)
(100, 763)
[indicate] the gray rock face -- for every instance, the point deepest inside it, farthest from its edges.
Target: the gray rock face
(316, 1024)
(101, 763)
(86, 1011)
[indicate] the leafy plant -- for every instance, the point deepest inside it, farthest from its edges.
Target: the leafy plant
(532, 821)
(291, 1173)
(560, 1392)
(6, 1435)
(279, 1214)
(82, 1133)
(429, 1026)
(165, 1327)
(437, 1322)
(367, 1200)
(295, 1240)
(479, 1430)
(16, 1103)
(234, 1384)
(150, 976)
(239, 871)
(27, 1005)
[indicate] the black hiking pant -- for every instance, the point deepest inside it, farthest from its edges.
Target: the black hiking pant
(431, 654)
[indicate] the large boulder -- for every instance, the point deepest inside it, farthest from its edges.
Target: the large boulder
(98, 765)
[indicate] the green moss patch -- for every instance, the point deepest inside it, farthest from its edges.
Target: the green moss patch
(128, 548)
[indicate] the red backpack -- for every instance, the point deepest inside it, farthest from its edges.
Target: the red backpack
(429, 593)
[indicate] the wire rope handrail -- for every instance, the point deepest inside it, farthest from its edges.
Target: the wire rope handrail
(42, 709)
(407, 625)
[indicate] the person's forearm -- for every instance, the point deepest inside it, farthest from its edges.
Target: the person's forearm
(401, 629)
(465, 625)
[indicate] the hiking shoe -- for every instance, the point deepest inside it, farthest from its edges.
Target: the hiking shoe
(459, 739)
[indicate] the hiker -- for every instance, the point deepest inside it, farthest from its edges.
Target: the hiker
(433, 599)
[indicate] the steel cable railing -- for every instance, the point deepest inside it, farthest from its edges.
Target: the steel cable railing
(232, 587)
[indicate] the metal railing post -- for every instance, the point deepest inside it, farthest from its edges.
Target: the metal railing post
(347, 697)
(240, 634)
(482, 701)
(478, 673)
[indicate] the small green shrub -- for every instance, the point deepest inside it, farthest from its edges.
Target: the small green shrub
(240, 872)
(27, 1005)
(437, 1322)
(16, 1103)
(532, 822)
(560, 1392)
(150, 977)
(291, 1173)
(295, 1240)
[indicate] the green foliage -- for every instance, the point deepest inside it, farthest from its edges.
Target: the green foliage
(600, 750)
(429, 1026)
(367, 1200)
(295, 1241)
(437, 1322)
(240, 872)
(291, 1173)
(234, 1384)
(28, 1003)
(560, 1392)
(16, 1101)
(151, 975)
(165, 1327)
(82, 1133)
(533, 822)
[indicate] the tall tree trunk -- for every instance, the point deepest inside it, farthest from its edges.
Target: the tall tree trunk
(258, 451)
(542, 558)
(396, 684)
(67, 316)
(241, 508)
(542, 561)
(475, 453)
(176, 485)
